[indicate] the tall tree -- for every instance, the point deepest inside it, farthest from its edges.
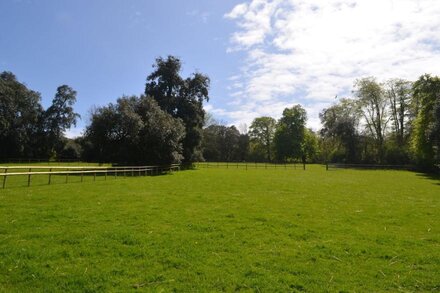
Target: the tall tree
(262, 132)
(21, 117)
(310, 146)
(222, 143)
(425, 138)
(373, 105)
(134, 131)
(289, 135)
(340, 125)
(399, 93)
(60, 116)
(181, 98)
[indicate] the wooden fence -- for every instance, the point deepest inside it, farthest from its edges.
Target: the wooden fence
(250, 165)
(369, 166)
(50, 171)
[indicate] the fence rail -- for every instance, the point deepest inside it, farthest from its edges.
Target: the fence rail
(250, 165)
(369, 166)
(85, 170)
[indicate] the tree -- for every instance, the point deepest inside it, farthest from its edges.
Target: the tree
(340, 127)
(134, 131)
(21, 118)
(399, 94)
(181, 98)
(222, 143)
(373, 104)
(310, 146)
(262, 132)
(290, 132)
(59, 117)
(425, 138)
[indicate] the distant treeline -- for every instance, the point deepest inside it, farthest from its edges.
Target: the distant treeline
(394, 122)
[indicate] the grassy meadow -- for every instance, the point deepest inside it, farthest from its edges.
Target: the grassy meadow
(218, 229)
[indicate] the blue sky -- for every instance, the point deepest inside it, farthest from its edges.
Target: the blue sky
(105, 49)
(261, 55)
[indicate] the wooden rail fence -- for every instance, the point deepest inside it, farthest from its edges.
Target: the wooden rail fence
(81, 171)
(369, 166)
(250, 165)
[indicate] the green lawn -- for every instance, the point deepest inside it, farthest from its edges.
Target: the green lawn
(224, 230)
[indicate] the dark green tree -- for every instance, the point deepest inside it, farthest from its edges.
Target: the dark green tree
(340, 129)
(425, 137)
(222, 143)
(310, 147)
(59, 117)
(134, 131)
(262, 132)
(21, 119)
(181, 98)
(289, 135)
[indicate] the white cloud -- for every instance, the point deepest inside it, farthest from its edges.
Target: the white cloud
(308, 51)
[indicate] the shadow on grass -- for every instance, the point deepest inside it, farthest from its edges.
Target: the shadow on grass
(431, 176)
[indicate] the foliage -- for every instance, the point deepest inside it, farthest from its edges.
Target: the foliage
(59, 117)
(340, 124)
(134, 131)
(426, 135)
(373, 105)
(289, 135)
(310, 147)
(223, 143)
(262, 132)
(26, 129)
(181, 98)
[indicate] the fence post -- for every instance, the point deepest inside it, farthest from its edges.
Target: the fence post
(50, 176)
(4, 179)
(29, 177)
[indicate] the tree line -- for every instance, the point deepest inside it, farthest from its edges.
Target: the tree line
(391, 122)
(164, 125)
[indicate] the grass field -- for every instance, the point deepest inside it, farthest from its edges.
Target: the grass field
(225, 230)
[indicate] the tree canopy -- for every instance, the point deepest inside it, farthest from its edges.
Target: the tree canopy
(181, 98)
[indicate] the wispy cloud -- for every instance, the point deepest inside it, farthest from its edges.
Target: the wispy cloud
(203, 16)
(308, 51)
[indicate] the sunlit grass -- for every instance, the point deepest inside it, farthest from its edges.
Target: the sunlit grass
(223, 229)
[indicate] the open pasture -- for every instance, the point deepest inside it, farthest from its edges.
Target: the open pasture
(217, 229)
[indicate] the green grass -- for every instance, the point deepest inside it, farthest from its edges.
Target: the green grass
(225, 230)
